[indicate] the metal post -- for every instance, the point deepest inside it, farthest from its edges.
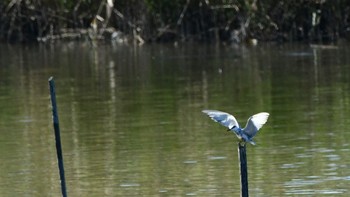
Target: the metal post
(57, 136)
(242, 156)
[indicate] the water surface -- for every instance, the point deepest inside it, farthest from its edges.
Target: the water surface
(132, 125)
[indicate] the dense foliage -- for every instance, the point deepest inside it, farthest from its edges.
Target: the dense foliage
(169, 20)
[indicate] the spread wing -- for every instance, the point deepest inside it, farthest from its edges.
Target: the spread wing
(254, 123)
(222, 117)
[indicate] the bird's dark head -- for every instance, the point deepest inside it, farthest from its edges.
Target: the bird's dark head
(232, 128)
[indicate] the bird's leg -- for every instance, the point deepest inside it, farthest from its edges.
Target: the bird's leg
(242, 142)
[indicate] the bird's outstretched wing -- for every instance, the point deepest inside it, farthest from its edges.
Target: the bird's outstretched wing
(254, 123)
(222, 117)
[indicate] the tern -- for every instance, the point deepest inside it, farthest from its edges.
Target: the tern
(246, 134)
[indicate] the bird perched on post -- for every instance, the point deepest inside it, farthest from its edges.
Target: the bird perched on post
(246, 134)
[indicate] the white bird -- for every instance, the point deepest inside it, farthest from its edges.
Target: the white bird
(246, 134)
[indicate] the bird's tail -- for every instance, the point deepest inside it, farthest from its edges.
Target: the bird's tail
(252, 142)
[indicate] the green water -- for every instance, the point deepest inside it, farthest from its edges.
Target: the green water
(132, 125)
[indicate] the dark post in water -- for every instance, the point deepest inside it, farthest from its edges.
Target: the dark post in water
(243, 168)
(57, 136)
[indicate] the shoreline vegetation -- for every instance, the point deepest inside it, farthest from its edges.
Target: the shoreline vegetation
(146, 21)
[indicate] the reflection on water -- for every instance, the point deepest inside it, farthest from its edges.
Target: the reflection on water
(132, 125)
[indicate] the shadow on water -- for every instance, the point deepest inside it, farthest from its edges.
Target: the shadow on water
(132, 125)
